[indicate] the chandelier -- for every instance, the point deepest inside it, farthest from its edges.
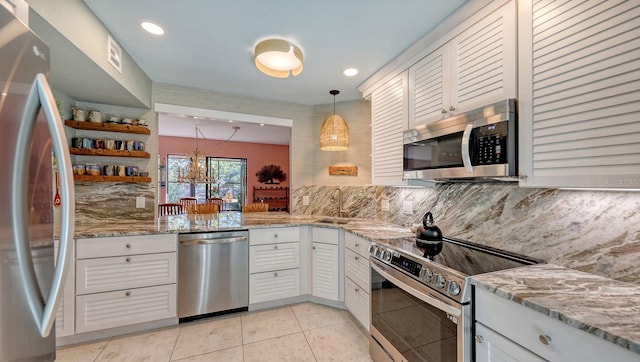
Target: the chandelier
(196, 171)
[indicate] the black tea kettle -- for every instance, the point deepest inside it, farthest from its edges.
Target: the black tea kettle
(429, 237)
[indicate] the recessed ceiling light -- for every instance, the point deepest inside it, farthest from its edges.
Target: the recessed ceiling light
(350, 72)
(152, 28)
(262, 124)
(230, 121)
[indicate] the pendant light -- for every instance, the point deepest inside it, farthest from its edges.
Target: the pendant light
(334, 134)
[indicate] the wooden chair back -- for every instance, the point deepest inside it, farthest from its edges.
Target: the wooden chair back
(206, 208)
(169, 209)
(256, 207)
(186, 201)
(218, 201)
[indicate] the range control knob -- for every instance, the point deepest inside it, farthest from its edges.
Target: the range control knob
(372, 249)
(439, 281)
(386, 255)
(426, 275)
(454, 288)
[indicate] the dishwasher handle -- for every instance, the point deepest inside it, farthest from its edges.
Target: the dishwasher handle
(194, 242)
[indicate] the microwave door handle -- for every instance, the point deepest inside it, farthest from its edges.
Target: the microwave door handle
(466, 158)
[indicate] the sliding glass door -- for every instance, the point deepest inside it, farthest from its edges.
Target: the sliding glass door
(231, 181)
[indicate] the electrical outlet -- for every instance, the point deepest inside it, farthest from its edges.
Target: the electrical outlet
(407, 207)
(384, 205)
(305, 200)
(140, 201)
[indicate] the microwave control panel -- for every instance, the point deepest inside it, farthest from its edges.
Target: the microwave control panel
(490, 144)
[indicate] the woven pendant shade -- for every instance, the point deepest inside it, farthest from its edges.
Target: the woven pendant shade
(334, 134)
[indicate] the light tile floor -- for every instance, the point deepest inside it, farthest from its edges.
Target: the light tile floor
(301, 332)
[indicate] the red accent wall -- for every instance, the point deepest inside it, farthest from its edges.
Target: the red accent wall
(257, 155)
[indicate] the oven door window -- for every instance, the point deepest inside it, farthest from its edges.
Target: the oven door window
(441, 152)
(419, 331)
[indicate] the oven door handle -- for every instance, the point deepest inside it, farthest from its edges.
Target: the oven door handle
(418, 294)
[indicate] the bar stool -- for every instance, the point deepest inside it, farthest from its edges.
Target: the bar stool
(256, 207)
(169, 209)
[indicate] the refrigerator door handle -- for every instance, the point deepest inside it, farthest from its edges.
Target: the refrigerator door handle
(41, 97)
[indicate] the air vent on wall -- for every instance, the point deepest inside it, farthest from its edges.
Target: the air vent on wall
(114, 54)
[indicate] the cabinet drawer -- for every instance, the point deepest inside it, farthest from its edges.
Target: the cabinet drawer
(526, 326)
(357, 244)
(356, 300)
(125, 245)
(325, 235)
(115, 309)
(124, 272)
(264, 287)
(274, 235)
(357, 269)
(273, 257)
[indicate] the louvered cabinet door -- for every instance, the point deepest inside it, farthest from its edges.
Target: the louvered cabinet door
(483, 59)
(268, 286)
(125, 307)
(389, 115)
(122, 272)
(579, 86)
(274, 257)
(325, 283)
(428, 90)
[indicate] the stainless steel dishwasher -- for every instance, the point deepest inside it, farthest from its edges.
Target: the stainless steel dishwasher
(213, 273)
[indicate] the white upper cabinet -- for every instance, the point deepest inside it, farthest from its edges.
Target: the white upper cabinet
(389, 120)
(579, 85)
(475, 68)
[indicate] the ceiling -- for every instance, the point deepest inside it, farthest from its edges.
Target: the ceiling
(208, 44)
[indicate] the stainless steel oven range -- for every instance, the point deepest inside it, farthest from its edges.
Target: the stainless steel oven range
(421, 307)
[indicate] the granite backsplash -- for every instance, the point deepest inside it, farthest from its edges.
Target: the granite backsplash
(592, 231)
(114, 201)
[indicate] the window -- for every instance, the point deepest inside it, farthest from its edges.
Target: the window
(230, 175)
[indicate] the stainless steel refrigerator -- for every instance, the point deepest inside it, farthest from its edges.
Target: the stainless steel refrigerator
(31, 131)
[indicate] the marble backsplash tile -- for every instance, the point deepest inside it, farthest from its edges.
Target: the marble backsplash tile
(113, 201)
(592, 231)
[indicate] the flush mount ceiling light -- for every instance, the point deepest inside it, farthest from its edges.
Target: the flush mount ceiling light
(152, 28)
(334, 134)
(278, 58)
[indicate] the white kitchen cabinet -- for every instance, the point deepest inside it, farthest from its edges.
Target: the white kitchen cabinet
(121, 281)
(274, 285)
(475, 68)
(543, 336)
(125, 307)
(357, 283)
(493, 347)
(65, 316)
(579, 94)
(325, 263)
(389, 118)
(274, 264)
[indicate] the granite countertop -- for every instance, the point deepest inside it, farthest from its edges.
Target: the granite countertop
(606, 308)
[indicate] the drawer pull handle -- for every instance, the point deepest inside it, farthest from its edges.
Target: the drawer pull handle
(275, 274)
(357, 290)
(128, 259)
(128, 294)
(313, 247)
(357, 245)
(128, 246)
(275, 247)
(479, 339)
(544, 339)
(357, 258)
(275, 236)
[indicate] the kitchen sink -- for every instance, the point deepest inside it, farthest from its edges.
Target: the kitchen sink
(332, 220)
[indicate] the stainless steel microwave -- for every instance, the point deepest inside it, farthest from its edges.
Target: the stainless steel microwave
(480, 144)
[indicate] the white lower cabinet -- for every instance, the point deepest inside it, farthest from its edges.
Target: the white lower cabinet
(65, 315)
(505, 328)
(274, 264)
(325, 270)
(357, 281)
(122, 281)
(124, 307)
(273, 285)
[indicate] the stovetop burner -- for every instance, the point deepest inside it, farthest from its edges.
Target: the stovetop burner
(447, 271)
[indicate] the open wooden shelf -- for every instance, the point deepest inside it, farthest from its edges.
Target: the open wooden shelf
(103, 178)
(109, 127)
(104, 152)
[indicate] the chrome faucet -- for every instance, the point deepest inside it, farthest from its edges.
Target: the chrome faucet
(340, 210)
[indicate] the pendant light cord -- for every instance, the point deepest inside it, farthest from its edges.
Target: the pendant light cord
(235, 130)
